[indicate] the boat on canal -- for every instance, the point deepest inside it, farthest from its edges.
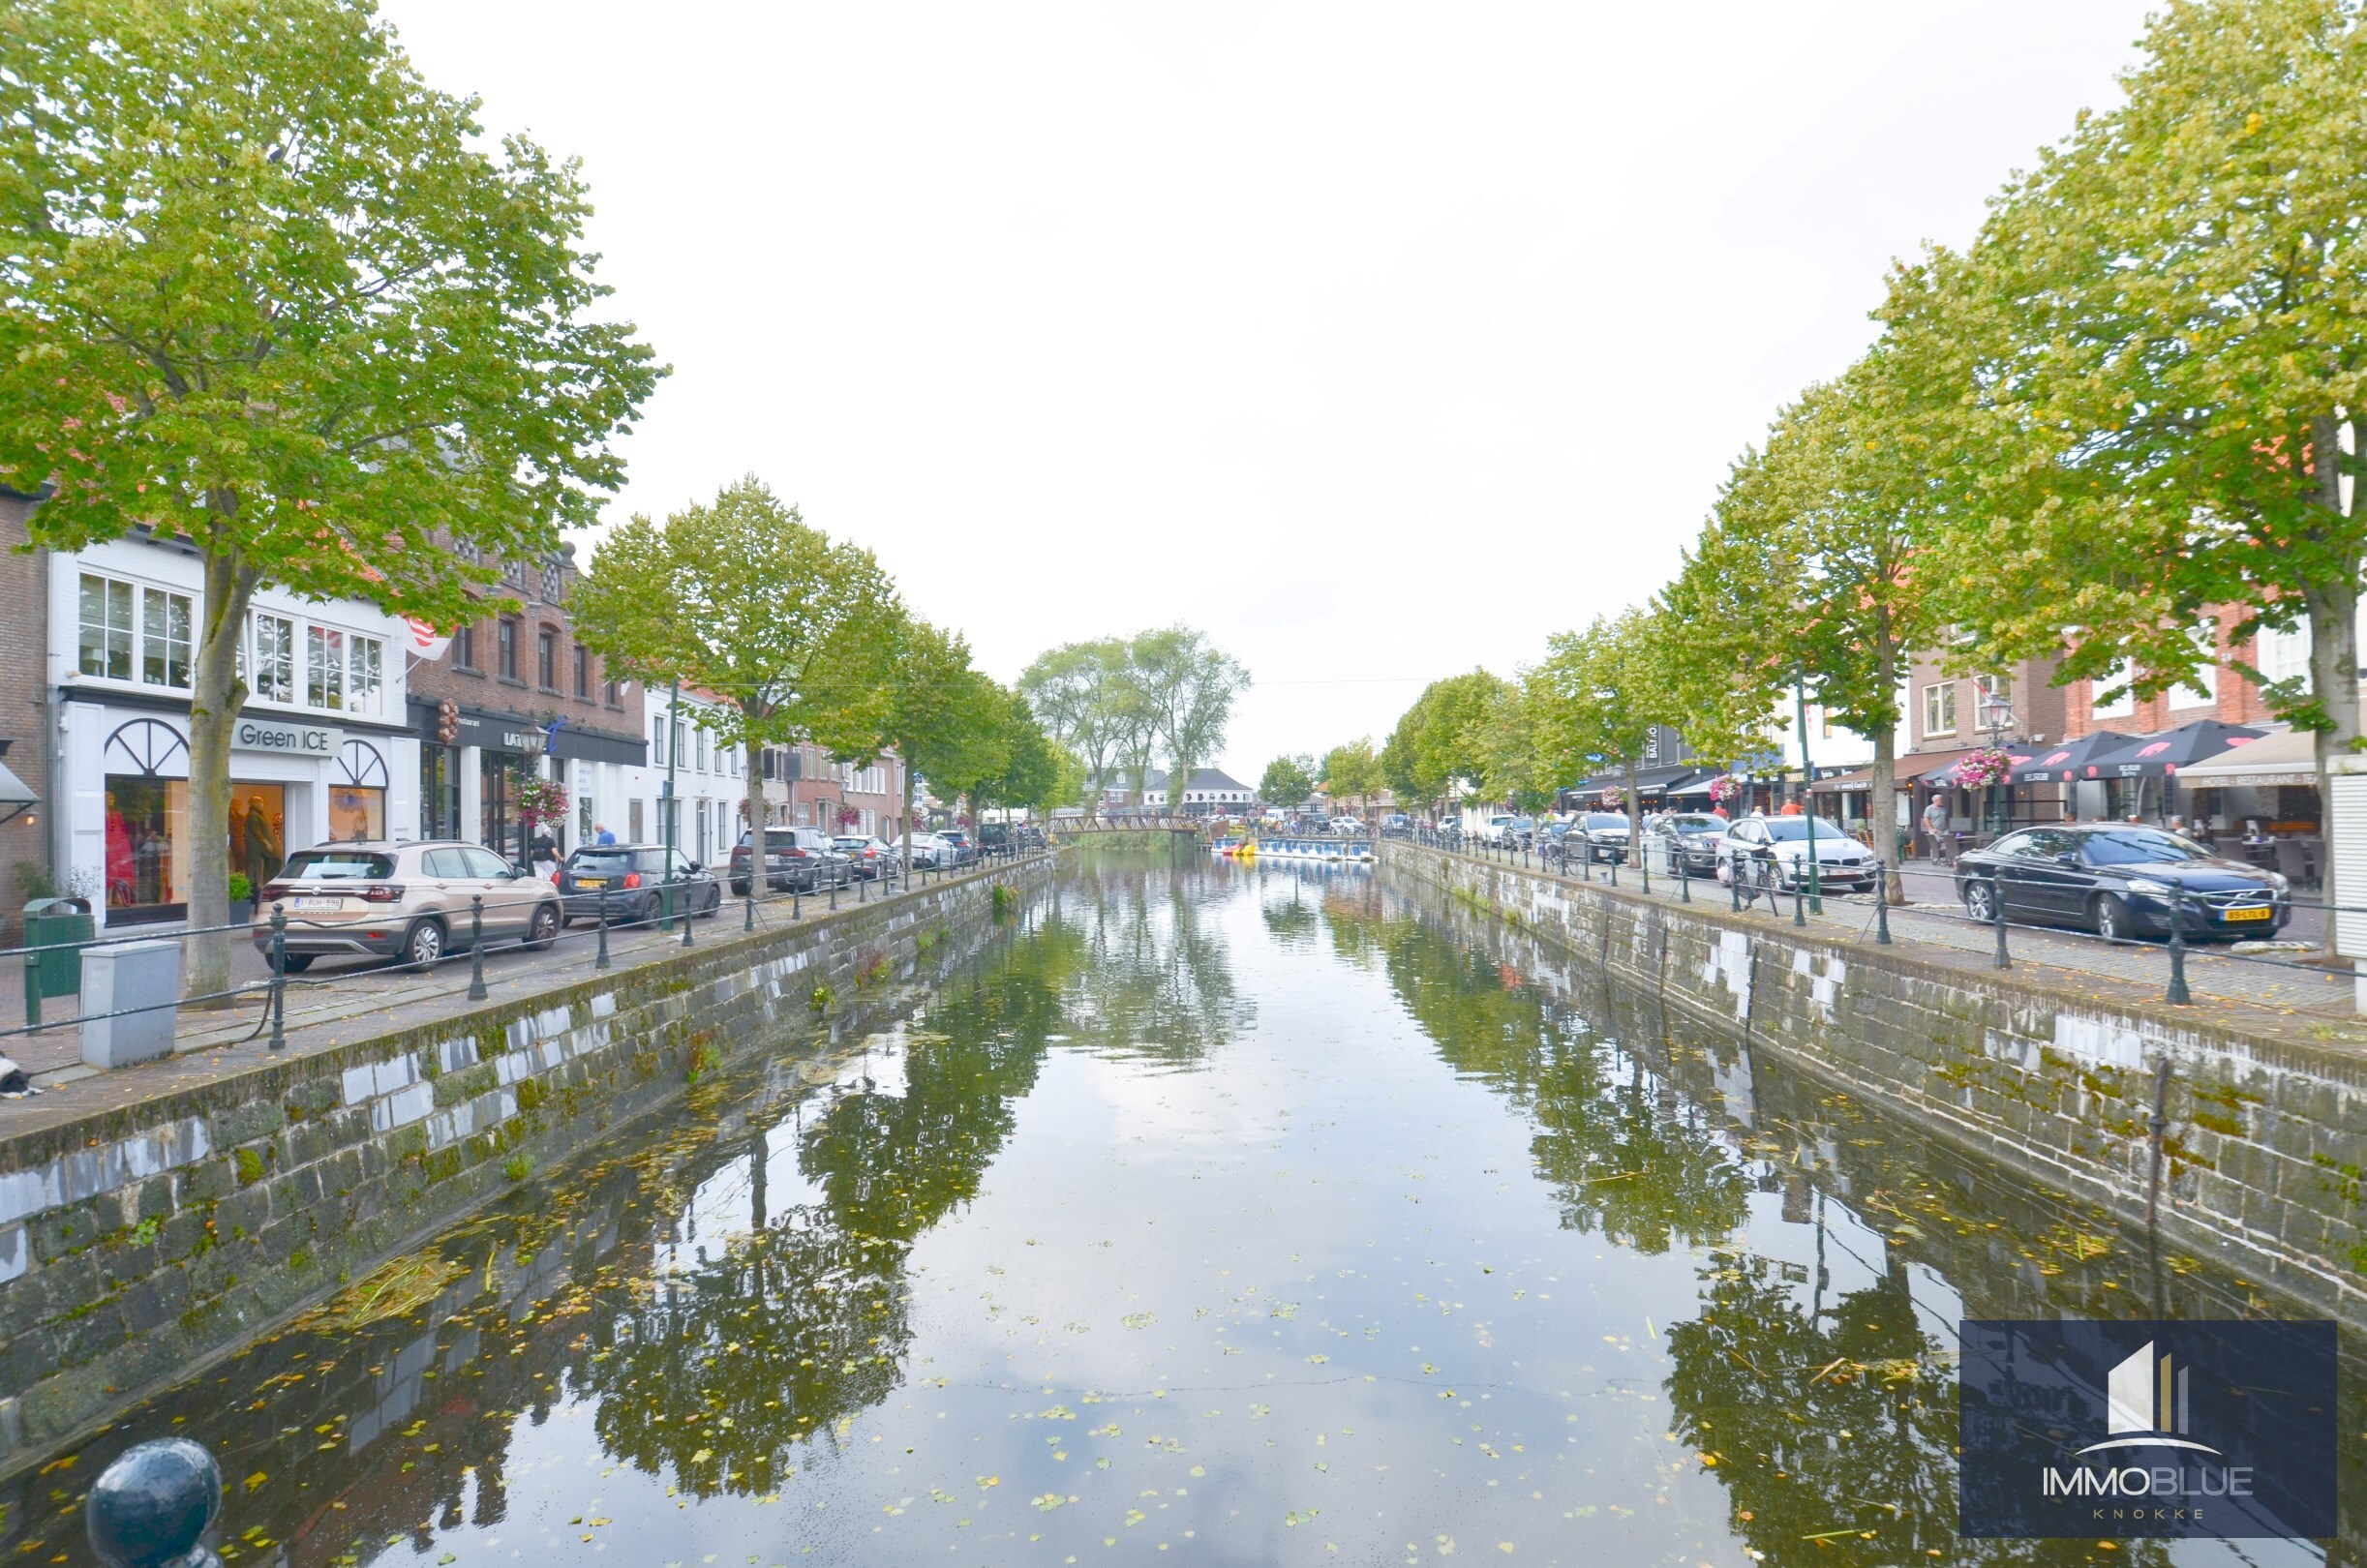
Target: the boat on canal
(1329, 850)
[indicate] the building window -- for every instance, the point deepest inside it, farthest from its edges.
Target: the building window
(365, 673)
(513, 572)
(583, 672)
(505, 648)
(464, 647)
(164, 638)
(658, 743)
(702, 762)
(2122, 702)
(324, 668)
(2285, 654)
(468, 550)
(554, 582)
(610, 695)
(107, 628)
(546, 659)
(275, 659)
(1940, 709)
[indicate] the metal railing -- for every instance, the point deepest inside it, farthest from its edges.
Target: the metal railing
(673, 913)
(2187, 922)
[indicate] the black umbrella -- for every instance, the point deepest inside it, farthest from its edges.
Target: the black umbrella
(2161, 756)
(2068, 761)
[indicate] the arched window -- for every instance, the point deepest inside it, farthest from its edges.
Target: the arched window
(148, 747)
(360, 764)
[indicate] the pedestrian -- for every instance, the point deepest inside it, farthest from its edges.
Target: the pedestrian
(1935, 826)
(1791, 808)
(544, 855)
(600, 833)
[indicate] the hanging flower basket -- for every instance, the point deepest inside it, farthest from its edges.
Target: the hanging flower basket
(540, 800)
(1613, 799)
(1984, 768)
(1724, 787)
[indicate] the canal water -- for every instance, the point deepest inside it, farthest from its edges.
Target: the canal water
(1210, 1214)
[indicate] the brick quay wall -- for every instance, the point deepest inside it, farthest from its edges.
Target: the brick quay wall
(138, 1243)
(2267, 1140)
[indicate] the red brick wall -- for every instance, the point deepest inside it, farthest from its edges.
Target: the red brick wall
(484, 687)
(2237, 700)
(25, 713)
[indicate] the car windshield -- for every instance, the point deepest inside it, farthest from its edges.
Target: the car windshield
(600, 859)
(2138, 846)
(1784, 830)
(1697, 825)
(1605, 819)
(337, 865)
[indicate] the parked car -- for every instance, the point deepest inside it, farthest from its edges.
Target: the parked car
(954, 848)
(1605, 835)
(1772, 852)
(632, 878)
(1031, 836)
(1686, 842)
(2120, 880)
(1345, 828)
(994, 837)
(870, 858)
(410, 901)
(926, 848)
(797, 860)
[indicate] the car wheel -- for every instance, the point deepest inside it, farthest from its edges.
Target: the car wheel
(543, 930)
(647, 912)
(423, 944)
(296, 963)
(2113, 921)
(1981, 901)
(714, 901)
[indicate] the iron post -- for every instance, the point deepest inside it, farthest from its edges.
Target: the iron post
(476, 947)
(1882, 904)
(279, 976)
(2179, 996)
(601, 961)
(1996, 910)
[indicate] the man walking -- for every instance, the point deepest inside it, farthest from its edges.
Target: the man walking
(1936, 828)
(600, 833)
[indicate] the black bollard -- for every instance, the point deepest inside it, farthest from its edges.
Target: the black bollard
(691, 912)
(1800, 900)
(1996, 904)
(279, 976)
(1882, 905)
(476, 947)
(1685, 879)
(833, 892)
(152, 1507)
(749, 923)
(1643, 868)
(1734, 883)
(601, 961)
(2177, 950)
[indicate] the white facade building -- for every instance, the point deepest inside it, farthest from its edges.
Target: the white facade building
(321, 751)
(706, 777)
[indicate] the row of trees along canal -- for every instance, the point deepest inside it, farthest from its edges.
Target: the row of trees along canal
(270, 294)
(2136, 397)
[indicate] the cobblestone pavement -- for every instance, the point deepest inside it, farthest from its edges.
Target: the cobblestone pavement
(2270, 990)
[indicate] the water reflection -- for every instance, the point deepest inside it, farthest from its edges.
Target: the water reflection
(1263, 1215)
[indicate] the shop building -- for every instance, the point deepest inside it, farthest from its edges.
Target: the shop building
(694, 778)
(806, 786)
(320, 752)
(512, 697)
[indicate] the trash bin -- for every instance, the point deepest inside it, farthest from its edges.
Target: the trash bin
(49, 921)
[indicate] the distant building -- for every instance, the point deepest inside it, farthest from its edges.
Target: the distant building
(1211, 789)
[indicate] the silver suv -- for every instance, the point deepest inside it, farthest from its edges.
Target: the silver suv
(408, 901)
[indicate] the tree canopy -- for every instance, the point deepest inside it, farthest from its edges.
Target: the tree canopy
(1288, 781)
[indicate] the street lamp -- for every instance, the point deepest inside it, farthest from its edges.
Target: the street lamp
(1996, 718)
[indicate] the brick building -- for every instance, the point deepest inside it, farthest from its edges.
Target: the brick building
(527, 699)
(1950, 716)
(26, 724)
(806, 787)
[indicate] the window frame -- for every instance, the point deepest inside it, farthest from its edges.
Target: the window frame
(1940, 702)
(505, 648)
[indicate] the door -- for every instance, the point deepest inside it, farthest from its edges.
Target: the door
(449, 885)
(2054, 890)
(2010, 865)
(509, 899)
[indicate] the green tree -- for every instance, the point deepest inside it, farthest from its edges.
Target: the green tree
(1351, 772)
(269, 294)
(1436, 745)
(1188, 688)
(2157, 343)
(1083, 694)
(1599, 694)
(938, 715)
(1288, 781)
(740, 598)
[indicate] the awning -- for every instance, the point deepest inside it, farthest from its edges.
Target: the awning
(2066, 763)
(16, 798)
(2170, 754)
(1692, 788)
(1857, 783)
(1916, 764)
(2288, 757)
(1648, 780)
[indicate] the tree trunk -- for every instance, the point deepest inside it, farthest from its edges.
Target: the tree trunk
(216, 695)
(1635, 817)
(1883, 813)
(752, 804)
(2334, 607)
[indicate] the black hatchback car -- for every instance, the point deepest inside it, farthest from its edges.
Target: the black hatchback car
(2120, 882)
(629, 879)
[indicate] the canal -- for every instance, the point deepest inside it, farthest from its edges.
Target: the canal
(1210, 1214)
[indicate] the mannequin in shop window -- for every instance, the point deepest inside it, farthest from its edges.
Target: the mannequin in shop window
(119, 862)
(261, 843)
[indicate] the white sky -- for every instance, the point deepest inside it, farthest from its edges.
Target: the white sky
(1376, 341)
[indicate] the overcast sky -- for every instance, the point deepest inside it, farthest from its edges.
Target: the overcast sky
(1378, 342)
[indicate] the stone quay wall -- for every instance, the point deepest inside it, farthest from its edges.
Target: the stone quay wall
(2263, 1159)
(137, 1243)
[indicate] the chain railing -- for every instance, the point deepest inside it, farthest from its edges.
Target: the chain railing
(274, 926)
(2186, 923)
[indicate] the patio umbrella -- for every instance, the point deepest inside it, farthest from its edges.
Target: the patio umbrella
(2066, 763)
(2161, 756)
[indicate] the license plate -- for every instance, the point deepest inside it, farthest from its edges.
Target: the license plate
(320, 903)
(2252, 912)
(592, 882)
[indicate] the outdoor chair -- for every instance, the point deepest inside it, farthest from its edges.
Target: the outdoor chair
(2293, 860)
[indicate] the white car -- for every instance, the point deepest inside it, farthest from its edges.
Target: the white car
(1776, 849)
(1499, 830)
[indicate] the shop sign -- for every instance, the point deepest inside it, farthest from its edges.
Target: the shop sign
(285, 740)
